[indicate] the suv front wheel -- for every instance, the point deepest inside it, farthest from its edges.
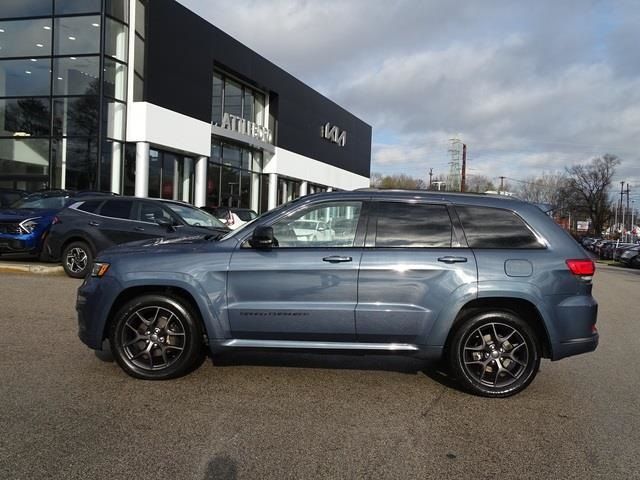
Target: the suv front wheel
(156, 337)
(494, 354)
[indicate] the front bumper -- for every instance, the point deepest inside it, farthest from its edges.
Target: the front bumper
(27, 244)
(93, 305)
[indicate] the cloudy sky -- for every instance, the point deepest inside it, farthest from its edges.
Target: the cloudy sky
(529, 86)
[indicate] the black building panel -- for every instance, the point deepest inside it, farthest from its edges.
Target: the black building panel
(182, 49)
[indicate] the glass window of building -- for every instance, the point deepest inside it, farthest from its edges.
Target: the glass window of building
(76, 76)
(65, 7)
(77, 35)
(258, 107)
(76, 158)
(24, 156)
(22, 78)
(26, 8)
(216, 108)
(118, 9)
(140, 19)
(155, 167)
(25, 38)
(24, 117)
(114, 119)
(75, 116)
(116, 42)
(115, 79)
(248, 111)
(232, 98)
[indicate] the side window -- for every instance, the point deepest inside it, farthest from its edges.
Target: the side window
(90, 206)
(117, 209)
(327, 225)
(151, 212)
(487, 227)
(413, 226)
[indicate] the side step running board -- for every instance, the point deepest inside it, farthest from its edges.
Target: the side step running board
(319, 345)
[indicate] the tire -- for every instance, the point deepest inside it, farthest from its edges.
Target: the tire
(494, 354)
(635, 262)
(77, 259)
(156, 337)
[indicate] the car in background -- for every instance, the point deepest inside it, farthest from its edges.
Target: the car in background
(232, 217)
(9, 196)
(25, 225)
(620, 249)
(631, 257)
(90, 225)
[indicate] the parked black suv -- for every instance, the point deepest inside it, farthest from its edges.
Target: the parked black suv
(90, 225)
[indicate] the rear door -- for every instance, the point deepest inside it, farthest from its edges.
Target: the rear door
(113, 224)
(413, 262)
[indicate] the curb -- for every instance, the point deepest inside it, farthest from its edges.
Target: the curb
(35, 269)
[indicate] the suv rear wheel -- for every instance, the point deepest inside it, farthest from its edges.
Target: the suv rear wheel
(156, 337)
(494, 354)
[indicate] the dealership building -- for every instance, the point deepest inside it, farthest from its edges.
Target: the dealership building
(146, 98)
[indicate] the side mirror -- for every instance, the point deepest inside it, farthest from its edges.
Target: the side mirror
(163, 222)
(262, 238)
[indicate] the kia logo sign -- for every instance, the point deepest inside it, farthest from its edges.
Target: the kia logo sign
(334, 134)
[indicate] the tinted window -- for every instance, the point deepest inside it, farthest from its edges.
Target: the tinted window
(117, 209)
(328, 225)
(21, 38)
(495, 228)
(152, 212)
(411, 225)
(26, 8)
(90, 206)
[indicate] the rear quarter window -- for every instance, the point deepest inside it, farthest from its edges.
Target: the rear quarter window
(90, 206)
(487, 227)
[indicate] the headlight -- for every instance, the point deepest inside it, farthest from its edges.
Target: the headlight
(99, 269)
(29, 225)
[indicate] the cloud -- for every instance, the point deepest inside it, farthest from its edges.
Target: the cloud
(526, 85)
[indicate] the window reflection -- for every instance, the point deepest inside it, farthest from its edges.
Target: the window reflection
(232, 98)
(25, 78)
(495, 228)
(77, 35)
(24, 117)
(118, 9)
(22, 38)
(64, 7)
(116, 40)
(76, 159)
(414, 226)
(26, 8)
(23, 156)
(76, 76)
(75, 116)
(115, 79)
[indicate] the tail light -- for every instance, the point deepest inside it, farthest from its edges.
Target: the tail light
(582, 267)
(55, 221)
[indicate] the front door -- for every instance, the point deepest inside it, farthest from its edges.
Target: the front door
(305, 288)
(412, 268)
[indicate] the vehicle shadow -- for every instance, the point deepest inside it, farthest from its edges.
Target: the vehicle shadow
(389, 362)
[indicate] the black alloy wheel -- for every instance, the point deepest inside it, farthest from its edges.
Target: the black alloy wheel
(494, 354)
(156, 337)
(77, 259)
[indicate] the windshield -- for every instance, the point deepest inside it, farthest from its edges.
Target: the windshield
(195, 217)
(38, 201)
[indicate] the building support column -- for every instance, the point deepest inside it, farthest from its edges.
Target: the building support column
(200, 199)
(187, 173)
(116, 167)
(273, 191)
(304, 188)
(142, 169)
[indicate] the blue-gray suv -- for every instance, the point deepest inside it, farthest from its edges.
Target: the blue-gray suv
(487, 283)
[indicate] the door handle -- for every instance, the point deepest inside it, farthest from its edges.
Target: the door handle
(336, 259)
(451, 259)
(94, 224)
(139, 229)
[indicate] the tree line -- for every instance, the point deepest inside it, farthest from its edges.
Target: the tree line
(581, 191)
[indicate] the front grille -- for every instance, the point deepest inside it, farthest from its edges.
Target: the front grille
(10, 228)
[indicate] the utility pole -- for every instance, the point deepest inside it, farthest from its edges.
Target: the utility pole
(430, 175)
(501, 184)
(628, 202)
(463, 178)
(622, 205)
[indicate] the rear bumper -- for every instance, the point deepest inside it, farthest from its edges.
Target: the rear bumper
(576, 347)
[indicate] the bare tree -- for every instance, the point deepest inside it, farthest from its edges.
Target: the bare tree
(479, 184)
(549, 188)
(589, 185)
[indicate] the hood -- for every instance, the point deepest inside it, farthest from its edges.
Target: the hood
(20, 214)
(161, 245)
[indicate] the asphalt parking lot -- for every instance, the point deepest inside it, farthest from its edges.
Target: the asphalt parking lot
(65, 413)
